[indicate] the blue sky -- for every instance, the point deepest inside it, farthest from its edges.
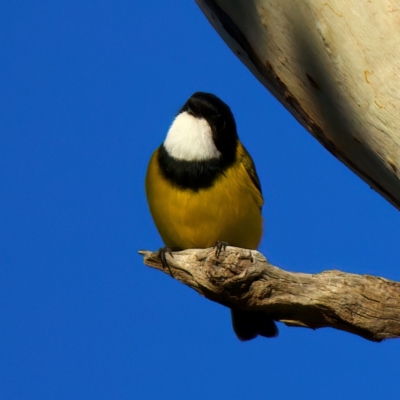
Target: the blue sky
(88, 90)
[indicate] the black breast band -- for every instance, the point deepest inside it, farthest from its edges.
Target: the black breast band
(194, 175)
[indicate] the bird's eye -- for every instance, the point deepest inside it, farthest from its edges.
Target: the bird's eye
(190, 111)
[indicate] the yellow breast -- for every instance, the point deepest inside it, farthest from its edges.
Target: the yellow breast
(229, 211)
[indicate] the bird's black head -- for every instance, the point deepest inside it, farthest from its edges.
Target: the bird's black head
(200, 144)
(220, 118)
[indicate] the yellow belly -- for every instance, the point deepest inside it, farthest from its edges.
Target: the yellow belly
(230, 210)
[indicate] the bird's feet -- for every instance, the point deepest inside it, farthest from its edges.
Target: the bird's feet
(162, 256)
(220, 246)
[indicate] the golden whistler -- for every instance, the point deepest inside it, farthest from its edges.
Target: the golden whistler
(202, 188)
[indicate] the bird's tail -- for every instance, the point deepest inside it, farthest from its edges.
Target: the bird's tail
(249, 324)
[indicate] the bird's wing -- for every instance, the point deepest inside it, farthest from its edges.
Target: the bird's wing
(248, 163)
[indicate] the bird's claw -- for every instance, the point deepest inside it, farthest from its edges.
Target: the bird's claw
(162, 256)
(220, 246)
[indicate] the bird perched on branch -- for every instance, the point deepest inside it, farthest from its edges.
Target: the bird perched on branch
(202, 188)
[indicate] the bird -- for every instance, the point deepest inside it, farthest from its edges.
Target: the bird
(202, 189)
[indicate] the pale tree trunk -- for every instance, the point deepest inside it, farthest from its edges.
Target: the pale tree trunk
(335, 65)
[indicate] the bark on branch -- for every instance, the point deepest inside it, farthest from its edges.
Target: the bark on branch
(365, 305)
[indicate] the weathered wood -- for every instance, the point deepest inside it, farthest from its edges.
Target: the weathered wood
(361, 304)
(335, 66)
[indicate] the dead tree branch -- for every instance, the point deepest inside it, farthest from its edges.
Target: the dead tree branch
(365, 305)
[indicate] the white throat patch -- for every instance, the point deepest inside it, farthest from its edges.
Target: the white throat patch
(190, 138)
